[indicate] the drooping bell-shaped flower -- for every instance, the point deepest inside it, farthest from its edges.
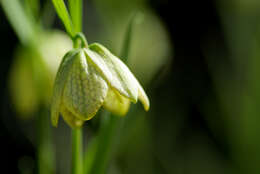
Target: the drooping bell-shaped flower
(89, 78)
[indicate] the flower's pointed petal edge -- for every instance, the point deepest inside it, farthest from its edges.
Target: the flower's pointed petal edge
(59, 83)
(70, 119)
(114, 71)
(85, 89)
(143, 97)
(116, 103)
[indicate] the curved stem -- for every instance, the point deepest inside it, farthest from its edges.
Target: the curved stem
(77, 160)
(83, 41)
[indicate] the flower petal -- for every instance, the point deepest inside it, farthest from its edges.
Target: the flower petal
(70, 119)
(115, 72)
(116, 103)
(59, 84)
(143, 97)
(85, 89)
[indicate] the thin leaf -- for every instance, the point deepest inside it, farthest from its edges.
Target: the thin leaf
(135, 19)
(33, 8)
(47, 15)
(75, 7)
(21, 24)
(64, 16)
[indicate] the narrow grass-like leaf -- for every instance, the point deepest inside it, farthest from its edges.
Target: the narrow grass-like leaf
(21, 24)
(33, 8)
(128, 37)
(47, 15)
(75, 8)
(64, 16)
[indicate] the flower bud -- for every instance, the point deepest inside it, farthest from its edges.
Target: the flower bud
(89, 78)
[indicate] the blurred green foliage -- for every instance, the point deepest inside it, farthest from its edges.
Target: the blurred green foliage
(164, 139)
(150, 47)
(33, 71)
(237, 83)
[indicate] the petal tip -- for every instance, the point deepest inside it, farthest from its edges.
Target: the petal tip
(146, 105)
(54, 121)
(143, 98)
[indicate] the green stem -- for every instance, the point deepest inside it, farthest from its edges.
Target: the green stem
(79, 38)
(77, 158)
(80, 41)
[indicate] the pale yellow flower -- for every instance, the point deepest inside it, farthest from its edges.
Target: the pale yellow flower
(89, 78)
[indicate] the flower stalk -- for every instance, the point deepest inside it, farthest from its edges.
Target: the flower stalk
(77, 151)
(79, 41)
(91, 77)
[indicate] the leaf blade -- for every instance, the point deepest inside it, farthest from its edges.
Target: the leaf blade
(75, 7)
(21, 24)
(63, 14)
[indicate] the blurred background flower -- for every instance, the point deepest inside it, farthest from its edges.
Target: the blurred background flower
(33, 71)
